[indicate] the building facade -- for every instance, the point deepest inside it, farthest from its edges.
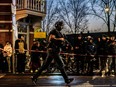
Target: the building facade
(28, 16)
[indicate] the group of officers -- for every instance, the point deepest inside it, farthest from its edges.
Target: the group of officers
(95, 54)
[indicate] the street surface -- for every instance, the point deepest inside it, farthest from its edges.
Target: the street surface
(23, 80)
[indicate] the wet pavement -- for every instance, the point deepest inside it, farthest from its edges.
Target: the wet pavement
(23, 80)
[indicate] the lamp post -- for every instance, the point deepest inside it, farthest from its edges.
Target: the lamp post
(107, 9)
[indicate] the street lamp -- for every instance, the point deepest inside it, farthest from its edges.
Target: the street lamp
(107, 9)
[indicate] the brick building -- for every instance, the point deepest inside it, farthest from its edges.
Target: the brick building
(29, 14)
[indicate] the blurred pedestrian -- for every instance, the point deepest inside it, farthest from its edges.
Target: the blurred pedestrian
(35, 56)
(7, 52)
(55, 40)
(20, 49)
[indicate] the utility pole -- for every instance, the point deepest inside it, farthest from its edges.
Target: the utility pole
(14, 31)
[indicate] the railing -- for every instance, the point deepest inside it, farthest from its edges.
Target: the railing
(35, 5)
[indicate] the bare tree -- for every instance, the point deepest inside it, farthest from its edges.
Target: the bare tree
(114, 23)
(103, 9)
(74, 13)
(51, 15)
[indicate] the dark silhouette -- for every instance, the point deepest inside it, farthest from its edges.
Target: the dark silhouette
(56, 41)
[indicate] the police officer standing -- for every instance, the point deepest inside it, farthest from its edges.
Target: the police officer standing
(56, 41)
(103, 51)
(79, 51)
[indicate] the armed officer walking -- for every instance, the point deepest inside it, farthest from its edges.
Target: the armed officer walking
(56, 41)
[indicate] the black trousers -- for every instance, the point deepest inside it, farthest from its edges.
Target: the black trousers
(80, 60)
(50, 56)
(21, 58)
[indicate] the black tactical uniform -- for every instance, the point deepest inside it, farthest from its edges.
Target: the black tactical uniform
(103, 51)
(112, 60)
(53, 53)
(91, 52)
(79, 58)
